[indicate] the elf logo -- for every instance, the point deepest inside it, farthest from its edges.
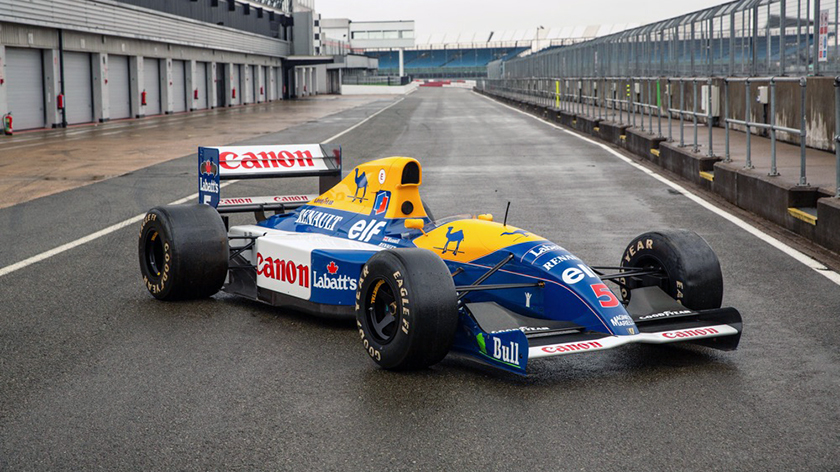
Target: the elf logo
(380, 205)
(364, 230)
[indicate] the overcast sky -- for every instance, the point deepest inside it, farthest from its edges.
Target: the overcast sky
(452, 16)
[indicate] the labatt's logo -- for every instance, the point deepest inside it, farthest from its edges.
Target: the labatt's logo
(330, 281)
(208, 186)
(265, 160)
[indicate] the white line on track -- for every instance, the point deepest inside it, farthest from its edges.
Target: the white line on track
(135, 219)
(799, 256)
(361, 122)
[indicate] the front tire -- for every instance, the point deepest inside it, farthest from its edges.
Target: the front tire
(691, 268)
(183, 251)
(406, 308)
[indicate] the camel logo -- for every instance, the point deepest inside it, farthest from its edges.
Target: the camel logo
(452, 237)
(520, 232)
(361, 185)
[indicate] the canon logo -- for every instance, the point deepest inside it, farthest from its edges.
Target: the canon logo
(690, 333)
(265, 160)
(282, 270)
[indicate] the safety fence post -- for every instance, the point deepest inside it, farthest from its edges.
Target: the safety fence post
(658, 108)
(803, 82)
(668, 108)
(748, 164)
(837, 133)
(709, 117)
(773, 170)
(694, 113)
(682, 132)
(642, 102)
(727, 157)
(650, 108)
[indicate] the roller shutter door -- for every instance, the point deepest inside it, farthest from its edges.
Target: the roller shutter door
(255, 88)
(151, 82)
(248, 86)
(78, 87)
(179, 86)
(25, 94)
(201, 84)
(237, 86)
(278, 82)
(221, 80)
(119, 90)
(267, 83)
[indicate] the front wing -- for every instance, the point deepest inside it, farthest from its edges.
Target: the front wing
(511, 349)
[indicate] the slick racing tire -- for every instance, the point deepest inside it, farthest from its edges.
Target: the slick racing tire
(691, 269)
(406, 308)
(183, 252)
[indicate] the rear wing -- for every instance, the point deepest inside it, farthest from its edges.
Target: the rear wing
(258, 162)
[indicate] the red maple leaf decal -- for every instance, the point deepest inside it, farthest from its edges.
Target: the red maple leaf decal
(332, 268)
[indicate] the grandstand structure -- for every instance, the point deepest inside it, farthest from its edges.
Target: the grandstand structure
(467, 55)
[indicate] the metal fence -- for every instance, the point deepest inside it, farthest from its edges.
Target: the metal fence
(638, 101)
(736, 39)
(374, 80)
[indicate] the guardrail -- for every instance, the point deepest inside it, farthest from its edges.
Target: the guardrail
(773, 127)
(581, 96)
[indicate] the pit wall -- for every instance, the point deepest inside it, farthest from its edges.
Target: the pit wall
(750, 190)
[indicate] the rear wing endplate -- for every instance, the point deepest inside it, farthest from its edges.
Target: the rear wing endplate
(257, 162)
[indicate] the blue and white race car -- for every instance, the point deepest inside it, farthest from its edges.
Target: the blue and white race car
(367, 248)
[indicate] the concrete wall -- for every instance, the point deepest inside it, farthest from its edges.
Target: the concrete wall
(378, 89)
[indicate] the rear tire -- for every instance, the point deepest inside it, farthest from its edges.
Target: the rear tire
(406, 308)
(183, 251)
(691, 267)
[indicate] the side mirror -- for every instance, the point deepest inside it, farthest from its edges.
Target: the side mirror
(414, 223)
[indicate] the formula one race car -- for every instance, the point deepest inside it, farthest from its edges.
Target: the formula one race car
(368, 248)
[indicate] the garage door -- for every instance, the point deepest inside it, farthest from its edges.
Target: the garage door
(221, 80)
(151, 83)
(255, 88)
(278, 81)
(179, 86)
(78, 88)
(201, 84)
(25, 93)
(119, 89)
(253, 85)
(267, 84)
(237, 85)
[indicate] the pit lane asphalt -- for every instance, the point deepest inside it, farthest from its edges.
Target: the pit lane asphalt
(94, 373)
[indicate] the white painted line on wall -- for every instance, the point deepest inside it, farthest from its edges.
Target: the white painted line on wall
(799, 256)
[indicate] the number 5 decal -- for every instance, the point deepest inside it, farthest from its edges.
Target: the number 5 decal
(602, 291)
